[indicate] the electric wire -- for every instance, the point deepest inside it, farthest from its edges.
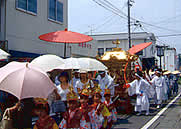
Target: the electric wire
(125, 15)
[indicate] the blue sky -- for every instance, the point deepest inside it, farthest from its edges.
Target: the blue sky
(85, 16)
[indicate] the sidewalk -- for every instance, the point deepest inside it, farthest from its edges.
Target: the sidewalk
(171, 119)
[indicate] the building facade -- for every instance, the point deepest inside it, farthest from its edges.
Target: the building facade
(179, 62)
(169, 59)
(23, 21)
(104, 42)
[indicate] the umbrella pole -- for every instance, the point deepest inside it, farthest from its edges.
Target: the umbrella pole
(64, 50)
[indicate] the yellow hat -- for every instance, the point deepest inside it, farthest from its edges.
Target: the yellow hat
(40, 101)
(97, 90)
(107, 92)
(85, 92)
(72, 96)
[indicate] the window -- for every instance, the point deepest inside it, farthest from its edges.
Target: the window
(27, 5)
(108, 49)
(55, 10)
(140, 53)
(100, 51)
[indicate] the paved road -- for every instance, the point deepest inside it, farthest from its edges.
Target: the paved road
(168, 119)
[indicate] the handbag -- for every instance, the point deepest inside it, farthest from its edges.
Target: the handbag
(58, 106)
(6, 122)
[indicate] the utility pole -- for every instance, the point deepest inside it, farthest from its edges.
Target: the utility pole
(129, 29)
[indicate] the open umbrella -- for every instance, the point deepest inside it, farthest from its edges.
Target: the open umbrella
(25, 81)
(47, 62)
(70, 63)
(91, 64)
(167, 72)
(138, 48)
(65, 37)
(176, 72)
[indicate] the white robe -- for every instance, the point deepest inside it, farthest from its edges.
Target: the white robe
(74, 83)
(165, 88)
(106, 82)
(140, 87)
(157, 83)
(81, 85)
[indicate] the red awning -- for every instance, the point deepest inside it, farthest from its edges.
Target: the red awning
(138, 48)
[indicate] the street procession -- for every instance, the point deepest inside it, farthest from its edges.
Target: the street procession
(91, 64)
(81, 92)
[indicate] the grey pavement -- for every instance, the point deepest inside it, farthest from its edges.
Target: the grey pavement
(170, 119)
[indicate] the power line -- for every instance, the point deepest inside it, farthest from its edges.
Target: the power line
(118, 13)
(107, 20)
(171, 35)
(166, 20)
(107, 8)
(138, 20)
(158, 27)
(116, 8)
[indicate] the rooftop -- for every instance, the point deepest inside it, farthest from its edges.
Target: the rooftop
(123, 36)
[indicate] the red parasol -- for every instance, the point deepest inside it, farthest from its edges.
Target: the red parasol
(138, 48)
(65, 37)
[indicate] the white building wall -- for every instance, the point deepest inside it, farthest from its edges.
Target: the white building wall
(168, 61)
(105, 41)
(23, 29)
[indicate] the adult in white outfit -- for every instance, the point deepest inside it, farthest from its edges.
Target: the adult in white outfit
(75, 79)
(84, 82)
(58, 98)
(158, 82)
(105, 82)
(165, 88)
(141, 88)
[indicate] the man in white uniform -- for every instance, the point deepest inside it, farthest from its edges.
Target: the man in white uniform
(106, 82)
(141, 88)
(157, 83)
(75, 79)
(165, 88)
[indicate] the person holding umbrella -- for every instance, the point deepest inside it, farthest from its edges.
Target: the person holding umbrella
(59, 101)
(64, 86)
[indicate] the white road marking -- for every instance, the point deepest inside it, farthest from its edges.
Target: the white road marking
(148, 124)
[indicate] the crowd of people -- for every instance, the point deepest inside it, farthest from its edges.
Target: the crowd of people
(157, 85)
(88, 101)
